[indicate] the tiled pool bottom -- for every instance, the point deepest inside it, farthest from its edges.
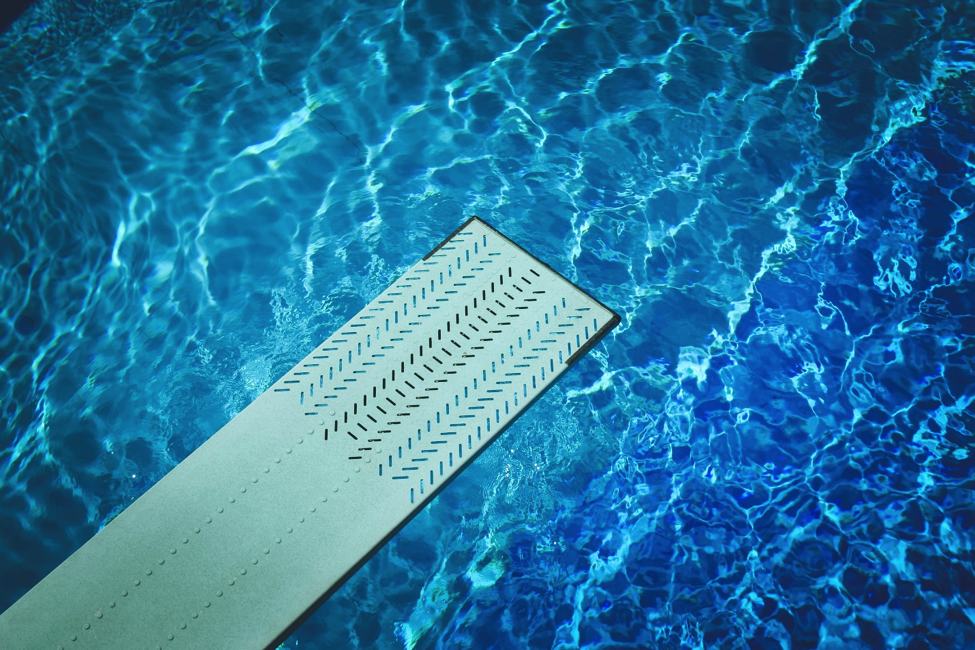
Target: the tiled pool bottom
(772, 452)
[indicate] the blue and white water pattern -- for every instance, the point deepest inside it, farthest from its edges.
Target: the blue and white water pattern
(773, 450)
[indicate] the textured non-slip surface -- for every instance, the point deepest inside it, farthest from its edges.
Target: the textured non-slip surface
(267, 517)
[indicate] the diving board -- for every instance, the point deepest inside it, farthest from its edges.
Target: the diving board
(255, 529)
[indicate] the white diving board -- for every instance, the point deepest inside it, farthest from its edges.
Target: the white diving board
(240, 542)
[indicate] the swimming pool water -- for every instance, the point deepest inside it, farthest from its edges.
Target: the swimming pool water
(773, 450)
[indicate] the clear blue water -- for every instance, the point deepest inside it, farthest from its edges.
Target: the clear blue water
(773, 450)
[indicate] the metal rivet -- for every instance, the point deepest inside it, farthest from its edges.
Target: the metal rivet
(243, 490)
(266, 470)
(335, 489)
(288, 450)
(232, 500)
(125, 593)
(74, 637)
(183, 626)
(331, 412)
(98, 613)
(208, 520)
(254, 480)
(148, 572)
(290, 529)
(87, 626)
(277, 460)
(254, 561)
(185, 540)
(300, 440)
(379, 450)
(368, 459)
(266, 551)
(324, 499)
(170, 636)
(232, 581)
(312, 431)
(206, 604)
(196, 615)
(220, 510)
(356, 470)
(162, 562)
(277, 540)
(346, 479)
(311, 509)
(196, 529)
(137, 583)
(243, 572)
(219, 593)
(301, 520)
(112, 604)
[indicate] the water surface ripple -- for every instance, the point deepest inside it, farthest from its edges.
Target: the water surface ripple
(773, 450)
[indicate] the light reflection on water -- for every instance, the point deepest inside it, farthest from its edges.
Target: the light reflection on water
(771, 451)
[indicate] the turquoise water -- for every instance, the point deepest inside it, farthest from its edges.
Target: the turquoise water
(773, 450)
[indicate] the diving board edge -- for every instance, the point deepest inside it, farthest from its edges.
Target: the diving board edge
(614, 321)
(211, 522)
(424, 502)
(597, 338)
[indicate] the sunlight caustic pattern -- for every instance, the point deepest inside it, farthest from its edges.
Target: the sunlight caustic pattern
(772, 450)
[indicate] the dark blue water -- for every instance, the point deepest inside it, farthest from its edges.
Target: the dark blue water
(10, 11)
(773, 450)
